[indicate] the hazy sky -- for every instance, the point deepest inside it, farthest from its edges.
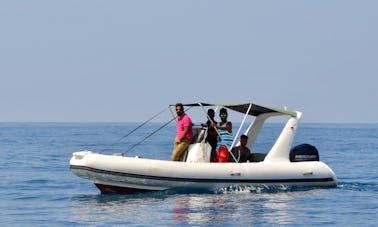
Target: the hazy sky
(125, 60)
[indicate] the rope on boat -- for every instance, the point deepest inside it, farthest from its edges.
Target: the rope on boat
(152, 133)
(149, 135)
(132, 131)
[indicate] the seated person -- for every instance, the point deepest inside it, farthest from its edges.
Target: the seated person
(241, 152)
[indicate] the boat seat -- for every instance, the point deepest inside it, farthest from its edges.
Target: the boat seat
(257, 157)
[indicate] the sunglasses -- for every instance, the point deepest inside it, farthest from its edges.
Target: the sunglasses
(223, 115)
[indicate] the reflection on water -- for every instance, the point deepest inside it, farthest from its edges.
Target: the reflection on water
(103, 207)
(243, 206)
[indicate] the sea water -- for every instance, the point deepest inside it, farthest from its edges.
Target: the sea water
(37, 187)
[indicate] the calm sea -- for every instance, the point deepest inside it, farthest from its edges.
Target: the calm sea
(37, 187)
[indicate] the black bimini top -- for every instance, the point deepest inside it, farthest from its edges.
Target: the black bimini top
(255, 110)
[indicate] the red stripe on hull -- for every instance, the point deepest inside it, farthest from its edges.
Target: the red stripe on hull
(116, 189)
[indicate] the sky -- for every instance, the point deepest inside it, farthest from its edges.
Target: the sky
(124, 61)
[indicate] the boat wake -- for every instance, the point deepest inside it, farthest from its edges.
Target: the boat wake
(185, 193)
(262, 189)
(358, 186)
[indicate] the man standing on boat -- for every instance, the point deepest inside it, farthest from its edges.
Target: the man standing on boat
(212, 135)
(224, 129)
(184, 133)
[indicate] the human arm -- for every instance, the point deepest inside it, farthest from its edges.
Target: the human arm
(227, 127)
(183, 136)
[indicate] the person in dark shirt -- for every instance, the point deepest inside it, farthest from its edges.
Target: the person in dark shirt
(212, 136)
(241, 152)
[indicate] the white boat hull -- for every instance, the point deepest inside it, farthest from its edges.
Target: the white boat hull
(282, 164)
(112, 173)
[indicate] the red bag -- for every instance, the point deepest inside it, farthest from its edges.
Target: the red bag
(222, 154)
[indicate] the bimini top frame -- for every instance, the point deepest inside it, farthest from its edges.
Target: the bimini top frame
(261, 113)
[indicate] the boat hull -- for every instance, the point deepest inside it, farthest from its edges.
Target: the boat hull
(133, 175)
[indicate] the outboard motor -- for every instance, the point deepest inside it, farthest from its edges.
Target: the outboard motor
(304, 152)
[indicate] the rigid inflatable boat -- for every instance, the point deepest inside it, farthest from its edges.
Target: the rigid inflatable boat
(282, 165)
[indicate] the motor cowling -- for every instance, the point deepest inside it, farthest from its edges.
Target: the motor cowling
(304, 152)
